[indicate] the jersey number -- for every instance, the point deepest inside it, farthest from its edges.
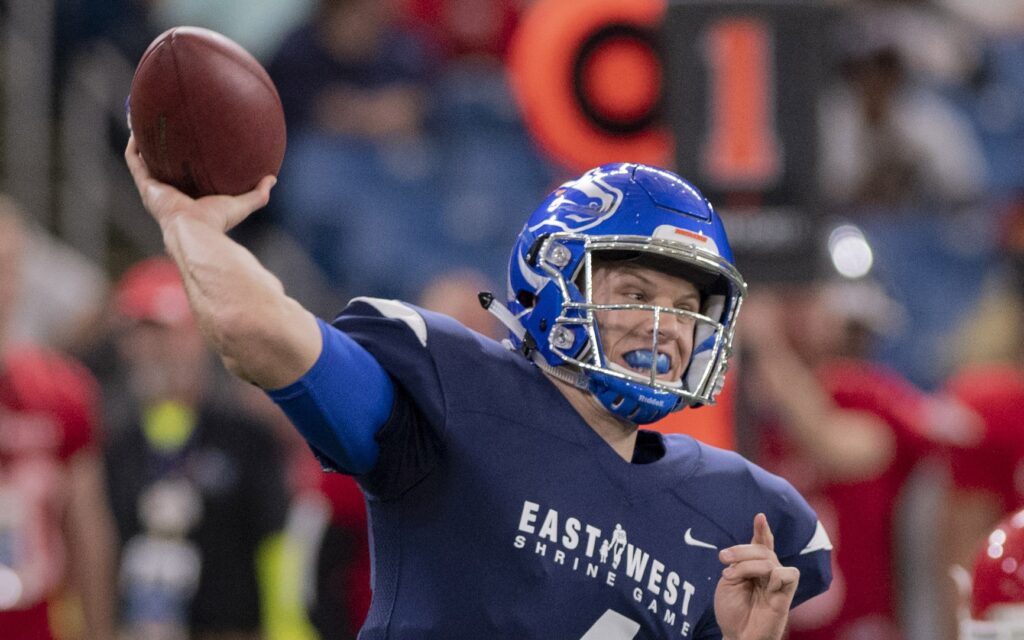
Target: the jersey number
(612, 625)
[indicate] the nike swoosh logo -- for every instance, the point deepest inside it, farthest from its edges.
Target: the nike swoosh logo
(694, 542)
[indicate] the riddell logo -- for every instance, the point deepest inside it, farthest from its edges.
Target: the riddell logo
(658, 403)
(608, 557)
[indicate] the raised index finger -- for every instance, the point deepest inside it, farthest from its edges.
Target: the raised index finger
(762, 532)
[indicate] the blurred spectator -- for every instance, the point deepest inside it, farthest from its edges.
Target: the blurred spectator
(355, 187)
(68, 291)
(399, 161)
(886, 139)
(846, 432)
(342, 571)
(80, 24)
(469, 30)
(299, 274)
(938, 47)
(996, 16)
(994, 92)
(350, 70)
(55, 525)
(988, 471)
(992, 330)
(197, 488)
(257, 25)
(455, 294)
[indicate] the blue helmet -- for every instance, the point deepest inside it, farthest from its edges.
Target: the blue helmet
(647, 214)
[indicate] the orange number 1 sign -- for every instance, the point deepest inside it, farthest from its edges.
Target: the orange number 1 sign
(742, 149)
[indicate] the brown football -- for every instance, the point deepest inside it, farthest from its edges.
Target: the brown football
(205, 114)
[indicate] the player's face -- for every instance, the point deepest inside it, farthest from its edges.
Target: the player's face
(628, 335)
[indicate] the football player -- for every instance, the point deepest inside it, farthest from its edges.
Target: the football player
(987, 467)
(494, 473)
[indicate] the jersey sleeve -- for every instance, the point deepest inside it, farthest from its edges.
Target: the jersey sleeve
(800, 539)
(742, 490)
(398, 336)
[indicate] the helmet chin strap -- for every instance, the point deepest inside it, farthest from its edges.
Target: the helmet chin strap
(501, 312)
(578, 379)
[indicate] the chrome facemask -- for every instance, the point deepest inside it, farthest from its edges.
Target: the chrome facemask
(713, 327)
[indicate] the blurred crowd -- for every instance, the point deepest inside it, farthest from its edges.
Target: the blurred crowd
(144, 493)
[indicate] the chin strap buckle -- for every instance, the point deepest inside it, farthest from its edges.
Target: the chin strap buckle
(504, 316)
(529, 347)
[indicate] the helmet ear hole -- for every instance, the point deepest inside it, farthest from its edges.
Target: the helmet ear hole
(526, 298)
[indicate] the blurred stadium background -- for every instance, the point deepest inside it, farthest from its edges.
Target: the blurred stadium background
(886, 147)
(441, 177)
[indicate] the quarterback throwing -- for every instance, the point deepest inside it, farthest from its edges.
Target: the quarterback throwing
(511, 490)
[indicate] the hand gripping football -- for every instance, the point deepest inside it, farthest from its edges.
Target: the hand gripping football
(205, 114)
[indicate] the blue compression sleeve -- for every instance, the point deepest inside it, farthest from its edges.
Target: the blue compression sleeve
(341, 403)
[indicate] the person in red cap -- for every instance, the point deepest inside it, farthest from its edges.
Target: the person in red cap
(197, 485)
(55, 526)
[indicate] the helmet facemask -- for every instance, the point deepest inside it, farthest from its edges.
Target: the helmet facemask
(575, 335)
(630, 212)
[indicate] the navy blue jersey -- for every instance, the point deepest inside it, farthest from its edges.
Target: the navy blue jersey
(496, 511)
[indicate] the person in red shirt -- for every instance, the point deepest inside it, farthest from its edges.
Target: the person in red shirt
(847, 433)
(987, 471)
(55, 525)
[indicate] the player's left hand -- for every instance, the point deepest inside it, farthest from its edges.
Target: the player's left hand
(754, 593)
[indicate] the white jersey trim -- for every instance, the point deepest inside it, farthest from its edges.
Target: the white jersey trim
(819, 541)
(399, 311)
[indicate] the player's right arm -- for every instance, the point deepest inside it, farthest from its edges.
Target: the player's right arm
(262, 335)
(339, 396)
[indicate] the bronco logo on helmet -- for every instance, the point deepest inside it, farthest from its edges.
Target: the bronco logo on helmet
(583, 203)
